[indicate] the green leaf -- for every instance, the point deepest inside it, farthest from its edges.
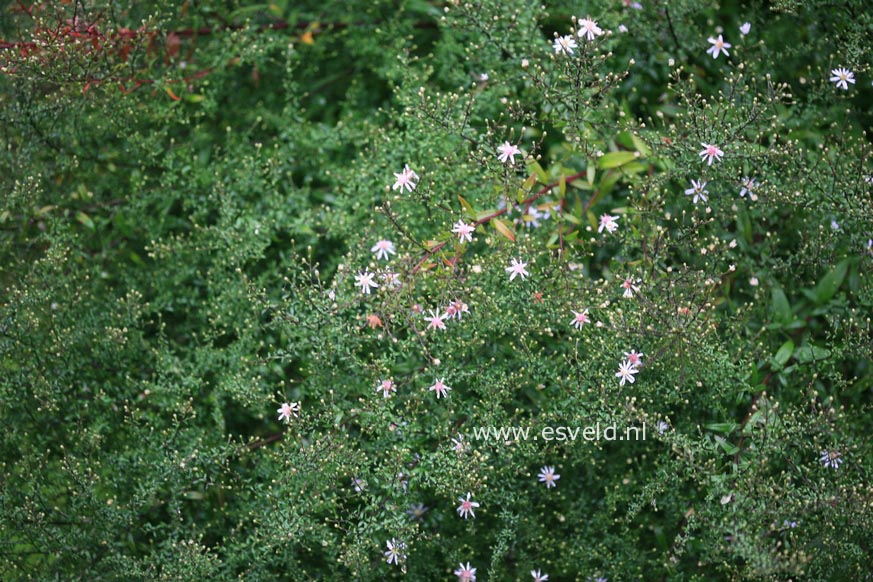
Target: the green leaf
(780, 306)
(615, 159)
(806, 354)
(725, 427)
(784, 353)
(503, 229)
(828, 286)
(641, 146)
(85, 220)
(538, 171)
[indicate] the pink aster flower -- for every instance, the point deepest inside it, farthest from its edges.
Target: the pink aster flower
(564, 44)
(507, 153)
(580, 318)
(435, 320)
(441, 389)
(842, 77)
(465, 573)
(392, 279)
(467, 506)
(365, 280)
(709, 153)
(698, 190)
(831, 459)
(382, 248)
(747, 186)
(387, 387)
(287, 410)
(539, 577)
(718, 46)
(634, 358)
(405, 179)
(588, 29)
(626, 372)
(608, 222)
(459, 445)
(629, 288)
(547, 476)
(517, 268)
(464, 231)
(456, 309)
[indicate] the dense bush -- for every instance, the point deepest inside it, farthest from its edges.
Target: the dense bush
(198, 379)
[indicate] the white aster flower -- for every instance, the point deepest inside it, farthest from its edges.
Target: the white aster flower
(608, 222)
(718, 46)
(396, 551)
(698, 190)
(709, 153)
(517, 268)
(365, 280)
(831, 459)
(435, 320)
(464, 231)
(287, 410)
(842, 77)
(588, 29)
(580, 318)
(406, 179)
(564, 44)
(626, 372)
(547, 475)
(508, 152)
(745, 28)
(465, 573)
(629, 287)
(386, 387)
(467, 506)
(440, 389)
(539, 577)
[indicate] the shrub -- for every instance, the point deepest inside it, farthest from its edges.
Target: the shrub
(277, 276)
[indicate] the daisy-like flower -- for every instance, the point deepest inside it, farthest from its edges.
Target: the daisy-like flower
(626, 372)
(387, 387)
(365, 280)
(831, 459)
(405, 179)
(383, 248)
(580, 318)
(359, 485)
(698, 190)
(456, 309)
(842, 77)
(287, 410)
(465, 573)
(718, 46)
(629, 288)
(547, 476)
(458, 444)
(608, 222)
(416, 512)
(467, 506)
(517, 268)
(539, 577)
(835, 225)
(564, 44)
(441, 389)
(435, 320)
(508, 152)
(396, 551)
(464, 231)
(634, 358)
(709, 153)
(588, 29)
(392, 279)
(747, 186)
(662, 427)
(745, 28)
(622, 28)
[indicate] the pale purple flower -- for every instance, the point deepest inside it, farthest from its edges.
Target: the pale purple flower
(464, 231)
(745, 28)
(456, 309)
(831, 459)
(748, 185)
(517, 268)
(547, 476)
(709, 153)
(465, 573)
(287, 410)
(588, 29)
(382, 248)
(359, 485)
(580, 318)
(387, 387)
(441, 389)
(662, 427)
(467, 506)
(626, 372)
(538, 577)
(405, 179)
(396, 551)
(608, 222)
(390, 278)
(622, 28)
(416, 512)
(508, 152)
(842, 77)
(634, 358)
(564, 44)
(365, 280)
(435, 320)
(718, 46)
(698, 190)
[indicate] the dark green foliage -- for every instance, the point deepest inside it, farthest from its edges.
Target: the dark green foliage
(188, 192)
